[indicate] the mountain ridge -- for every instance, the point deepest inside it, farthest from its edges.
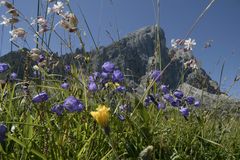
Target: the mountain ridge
(134, 54)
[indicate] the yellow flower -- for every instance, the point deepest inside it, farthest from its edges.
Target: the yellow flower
(108, 84)
(101, 115)
(116, 85)
(112, 85)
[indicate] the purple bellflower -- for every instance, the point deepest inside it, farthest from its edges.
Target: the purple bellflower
(41, 97)
(108, 67)
(4, 67)
(3, 131)
(73, 105)
(156, 75)
(58, 109)
(117, 76)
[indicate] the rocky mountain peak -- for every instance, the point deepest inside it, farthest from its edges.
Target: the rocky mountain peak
(135, 52)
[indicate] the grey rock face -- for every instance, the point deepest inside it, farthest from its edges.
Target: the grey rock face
(134, 55)
(195, 77)
(132, 52)
(210, 100)
(201, 80)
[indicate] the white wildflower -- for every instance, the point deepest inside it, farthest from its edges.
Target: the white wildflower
(192, 63)
(13, 128)
(35, 67)
(174, 43)
(19, 32)
(57, 8)
(188, 44)
(6, 4)
(42, 22)
(6, 21)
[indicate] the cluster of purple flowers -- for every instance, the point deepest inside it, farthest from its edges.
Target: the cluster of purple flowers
(109, 74)
(71, 104)
(176, 99)
(4, 67)
(179, 100)
(156, 100)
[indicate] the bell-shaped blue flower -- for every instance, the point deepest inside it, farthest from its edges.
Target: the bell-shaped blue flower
(175, 103)
(161, 105)
(104, 75)
(190, 100)
(164, 89)
(121, 117)
(3, 131)
(65, 85)
(91, 79)
(41, 58)
(120, 88)
(13, 76)
(73, 105)
(92, 86)
(4, 67)
(197, 103)
(67, 68)
(41, 97)
(178, 94)
(168, 97)
(184, 111)
(117, 76)
(58, 109)
(108, 67)
(96, 75)
(147, 101)
(156, 75)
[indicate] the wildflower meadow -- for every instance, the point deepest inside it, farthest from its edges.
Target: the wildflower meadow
(83, 113)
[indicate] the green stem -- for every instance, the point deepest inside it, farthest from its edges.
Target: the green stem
(112, 144)
(38, 14)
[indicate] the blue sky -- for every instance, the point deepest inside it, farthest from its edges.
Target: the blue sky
(221, 24)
